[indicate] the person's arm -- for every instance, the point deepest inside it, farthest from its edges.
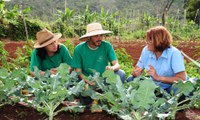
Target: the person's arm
(115, 66)
(32, 73)
(137, 71)
(66, 57)
(82, 76)
(172, 79)
(35, 61)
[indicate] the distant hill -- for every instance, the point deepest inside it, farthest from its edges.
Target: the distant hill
(46, 9)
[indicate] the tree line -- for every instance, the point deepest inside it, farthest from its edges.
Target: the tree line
(46, 9)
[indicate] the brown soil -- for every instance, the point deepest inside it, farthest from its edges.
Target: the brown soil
(133, 48)
(19, 112)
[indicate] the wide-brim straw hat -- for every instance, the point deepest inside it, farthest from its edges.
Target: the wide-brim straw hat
(94, 29)
(46, 37)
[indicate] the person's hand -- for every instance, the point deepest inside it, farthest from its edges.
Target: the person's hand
(42, 72)
(90, 83)
(152, 72)
(110, 68)
(137, 71)
(54, 70)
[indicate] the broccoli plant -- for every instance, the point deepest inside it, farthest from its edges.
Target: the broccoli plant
(51, 90)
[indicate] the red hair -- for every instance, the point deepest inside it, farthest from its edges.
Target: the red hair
(160, 37)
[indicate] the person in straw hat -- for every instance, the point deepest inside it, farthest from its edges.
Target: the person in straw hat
(95, 53)
(48, 53)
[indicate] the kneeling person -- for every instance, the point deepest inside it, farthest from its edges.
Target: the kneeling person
(95, 53)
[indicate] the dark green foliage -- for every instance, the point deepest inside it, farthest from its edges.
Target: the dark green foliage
(194, 10)
(125, 60)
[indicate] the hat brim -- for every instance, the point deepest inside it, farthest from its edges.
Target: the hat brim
(99, 32)
(55, 38)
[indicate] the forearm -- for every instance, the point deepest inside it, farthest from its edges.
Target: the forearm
(82, 77)
(137, 71)
(171, 80)
(116, 67)
(32, 73)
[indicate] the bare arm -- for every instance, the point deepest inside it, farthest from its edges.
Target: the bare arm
(82, 76)
(178, 76)
(32, 73)
(137, 71)
(52, 71)
(115, 66)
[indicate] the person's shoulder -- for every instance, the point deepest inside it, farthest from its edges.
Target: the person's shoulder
(34, 51)
(173, 49)
(106, 43)
(62, 45)
(146, 49)
(80, 45)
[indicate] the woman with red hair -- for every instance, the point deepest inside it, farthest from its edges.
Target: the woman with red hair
(162, 61)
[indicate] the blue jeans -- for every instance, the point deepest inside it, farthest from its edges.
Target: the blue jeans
(121, 74)
(130, 78)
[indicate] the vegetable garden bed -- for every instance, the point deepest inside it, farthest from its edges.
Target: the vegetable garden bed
(16, 111)
(19, 112)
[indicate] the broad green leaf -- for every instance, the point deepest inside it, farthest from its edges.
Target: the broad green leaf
(121, 90)
(144, 97)
(60, 93)
(110, 76)
(99, 81)
(159, 102)
(3, 73)
(110, 98)
(183, 87)
(78, 88)
(63, 69)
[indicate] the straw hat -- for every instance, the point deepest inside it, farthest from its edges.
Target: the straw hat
(94, 29)
(46, 37)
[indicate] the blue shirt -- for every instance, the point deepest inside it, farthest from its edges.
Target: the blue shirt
(167, 65)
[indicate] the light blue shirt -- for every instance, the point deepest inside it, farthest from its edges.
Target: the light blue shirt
(168, 64)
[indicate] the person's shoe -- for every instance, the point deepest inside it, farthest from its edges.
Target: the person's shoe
(95, 108)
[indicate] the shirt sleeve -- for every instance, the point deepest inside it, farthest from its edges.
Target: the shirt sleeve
(111, 53)
(66, 56)
(35, 61)
(76, 59)
(143, 58)
(177, 62)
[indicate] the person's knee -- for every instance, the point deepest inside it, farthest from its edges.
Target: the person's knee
(121, 74)
(130, 78)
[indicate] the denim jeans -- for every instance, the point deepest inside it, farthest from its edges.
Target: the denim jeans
(130, 78)
(121, 74)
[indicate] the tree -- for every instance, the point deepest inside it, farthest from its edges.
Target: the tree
(166, 9)
(193, 11)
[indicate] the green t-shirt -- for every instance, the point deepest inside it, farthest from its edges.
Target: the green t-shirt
(63, 56)
(85, 58)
